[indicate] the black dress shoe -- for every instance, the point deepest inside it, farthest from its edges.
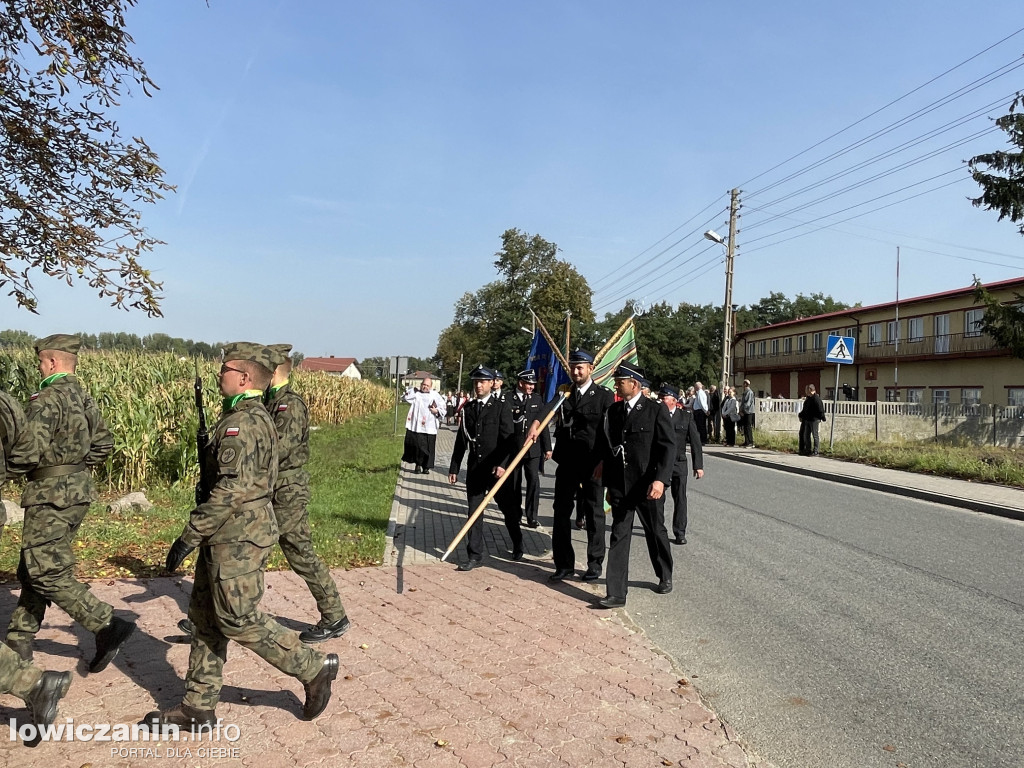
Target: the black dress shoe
(532, 524)
(469, 565)
(42, 700)
(591, 576)
(560, 574)
(318, 690)
(185, 717)
(109, 641)
(187, 627)
(516, 555)
(611, 602)
(325, 630)
(581, 523)
(664, 587)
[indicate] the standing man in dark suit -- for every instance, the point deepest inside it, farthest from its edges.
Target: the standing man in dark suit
(639, 452)
(526, 407)
(715, 412)
(685, 431)
(578, 454)
(486, 435)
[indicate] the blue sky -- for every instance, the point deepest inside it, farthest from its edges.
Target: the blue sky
(345, 170)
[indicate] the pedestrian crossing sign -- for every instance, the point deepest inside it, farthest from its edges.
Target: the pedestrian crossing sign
(840, 349)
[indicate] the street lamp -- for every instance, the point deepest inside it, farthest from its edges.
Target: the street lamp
(727, 308)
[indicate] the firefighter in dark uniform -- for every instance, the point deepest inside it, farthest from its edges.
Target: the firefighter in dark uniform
(576, 451)
(685, 430)
(639, 451)
(485, 434)
(526, 407)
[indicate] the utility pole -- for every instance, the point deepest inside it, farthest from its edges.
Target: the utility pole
(730, 253)
(458, 385)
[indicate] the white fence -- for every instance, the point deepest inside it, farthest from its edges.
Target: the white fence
(885, 422)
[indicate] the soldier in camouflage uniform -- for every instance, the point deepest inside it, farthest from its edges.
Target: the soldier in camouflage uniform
(235, 529)
(64, 437)
(38, 689)
(291, 495)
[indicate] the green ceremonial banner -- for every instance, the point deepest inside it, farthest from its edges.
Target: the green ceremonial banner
(624, 350)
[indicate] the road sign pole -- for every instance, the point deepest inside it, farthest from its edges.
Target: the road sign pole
(835, 397)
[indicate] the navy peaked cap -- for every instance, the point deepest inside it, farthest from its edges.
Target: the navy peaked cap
(629, 371)
(667, 390)
(529, 376)
(482, 373)
(581, 356)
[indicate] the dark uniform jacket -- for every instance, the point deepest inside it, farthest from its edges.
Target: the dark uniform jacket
(637, 450)
(579, 423)
(524, 413)
(485, 436)
(685, 430)
(812, 409)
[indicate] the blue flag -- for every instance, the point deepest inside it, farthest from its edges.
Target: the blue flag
(550, 373)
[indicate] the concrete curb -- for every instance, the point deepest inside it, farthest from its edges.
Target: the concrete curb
(922, 494)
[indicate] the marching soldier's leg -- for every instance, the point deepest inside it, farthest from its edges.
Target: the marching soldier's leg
(38, 689)
(531, 468)
(475, 538)
(679, 518)
(566, 489)
(593, 499)
(296, 540)
(27, 615)
(657, 543)
(617, 578)
(209, 651)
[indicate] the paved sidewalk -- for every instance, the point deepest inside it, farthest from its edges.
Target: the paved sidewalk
(993, 499)
(441, 669)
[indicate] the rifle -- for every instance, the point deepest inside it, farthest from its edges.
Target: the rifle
(202, 441)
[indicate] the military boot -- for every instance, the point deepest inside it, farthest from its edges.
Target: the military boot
(325, 630)
(20, 645)
(42, 700)
(318, 690)
(109, 641)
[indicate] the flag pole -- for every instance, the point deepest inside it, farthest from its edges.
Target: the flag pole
(613, 340)
(501, 480)
(551, 343)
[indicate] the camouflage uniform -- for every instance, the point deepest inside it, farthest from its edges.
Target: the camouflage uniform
(64, 437)
(235, 529)
(291, 495)
(16, 676)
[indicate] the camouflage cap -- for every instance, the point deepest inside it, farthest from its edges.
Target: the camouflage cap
(247, 350)
(59, 342)
(280, 352)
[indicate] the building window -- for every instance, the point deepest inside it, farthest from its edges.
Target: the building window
(801, 344)
(971, 396)
(915, 329)
(762, 348)
(941, 334)
(940, 396)
(915, 395)
(892, 332)
(775, 347)
(851, 332)
(750, 349)
(972, 322)
(1015, 396)
(874, 334)
(892, 395)
(787, 345)
(818, 341)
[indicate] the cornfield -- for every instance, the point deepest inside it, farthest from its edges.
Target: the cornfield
(148, 402)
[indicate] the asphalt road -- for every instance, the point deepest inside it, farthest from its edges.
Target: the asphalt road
(836, 627)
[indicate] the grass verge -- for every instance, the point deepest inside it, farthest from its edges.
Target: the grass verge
(978, 463)
(353, 471)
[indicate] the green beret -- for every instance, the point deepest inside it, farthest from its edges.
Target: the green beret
(247, 350)
(280, 352)
(59, 342)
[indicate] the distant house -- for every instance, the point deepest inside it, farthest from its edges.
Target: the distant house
(414, 380)
(335, 366)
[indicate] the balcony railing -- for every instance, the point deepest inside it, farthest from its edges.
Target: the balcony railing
(927, 347)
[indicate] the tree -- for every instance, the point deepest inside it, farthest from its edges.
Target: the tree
(776, 308)
(70, 181)
(1003, 193)
(487, 327)
(1003, 322)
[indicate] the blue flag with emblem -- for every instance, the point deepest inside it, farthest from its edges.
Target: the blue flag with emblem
(550, 373)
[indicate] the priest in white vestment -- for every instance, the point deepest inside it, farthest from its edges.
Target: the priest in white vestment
(426, 409)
